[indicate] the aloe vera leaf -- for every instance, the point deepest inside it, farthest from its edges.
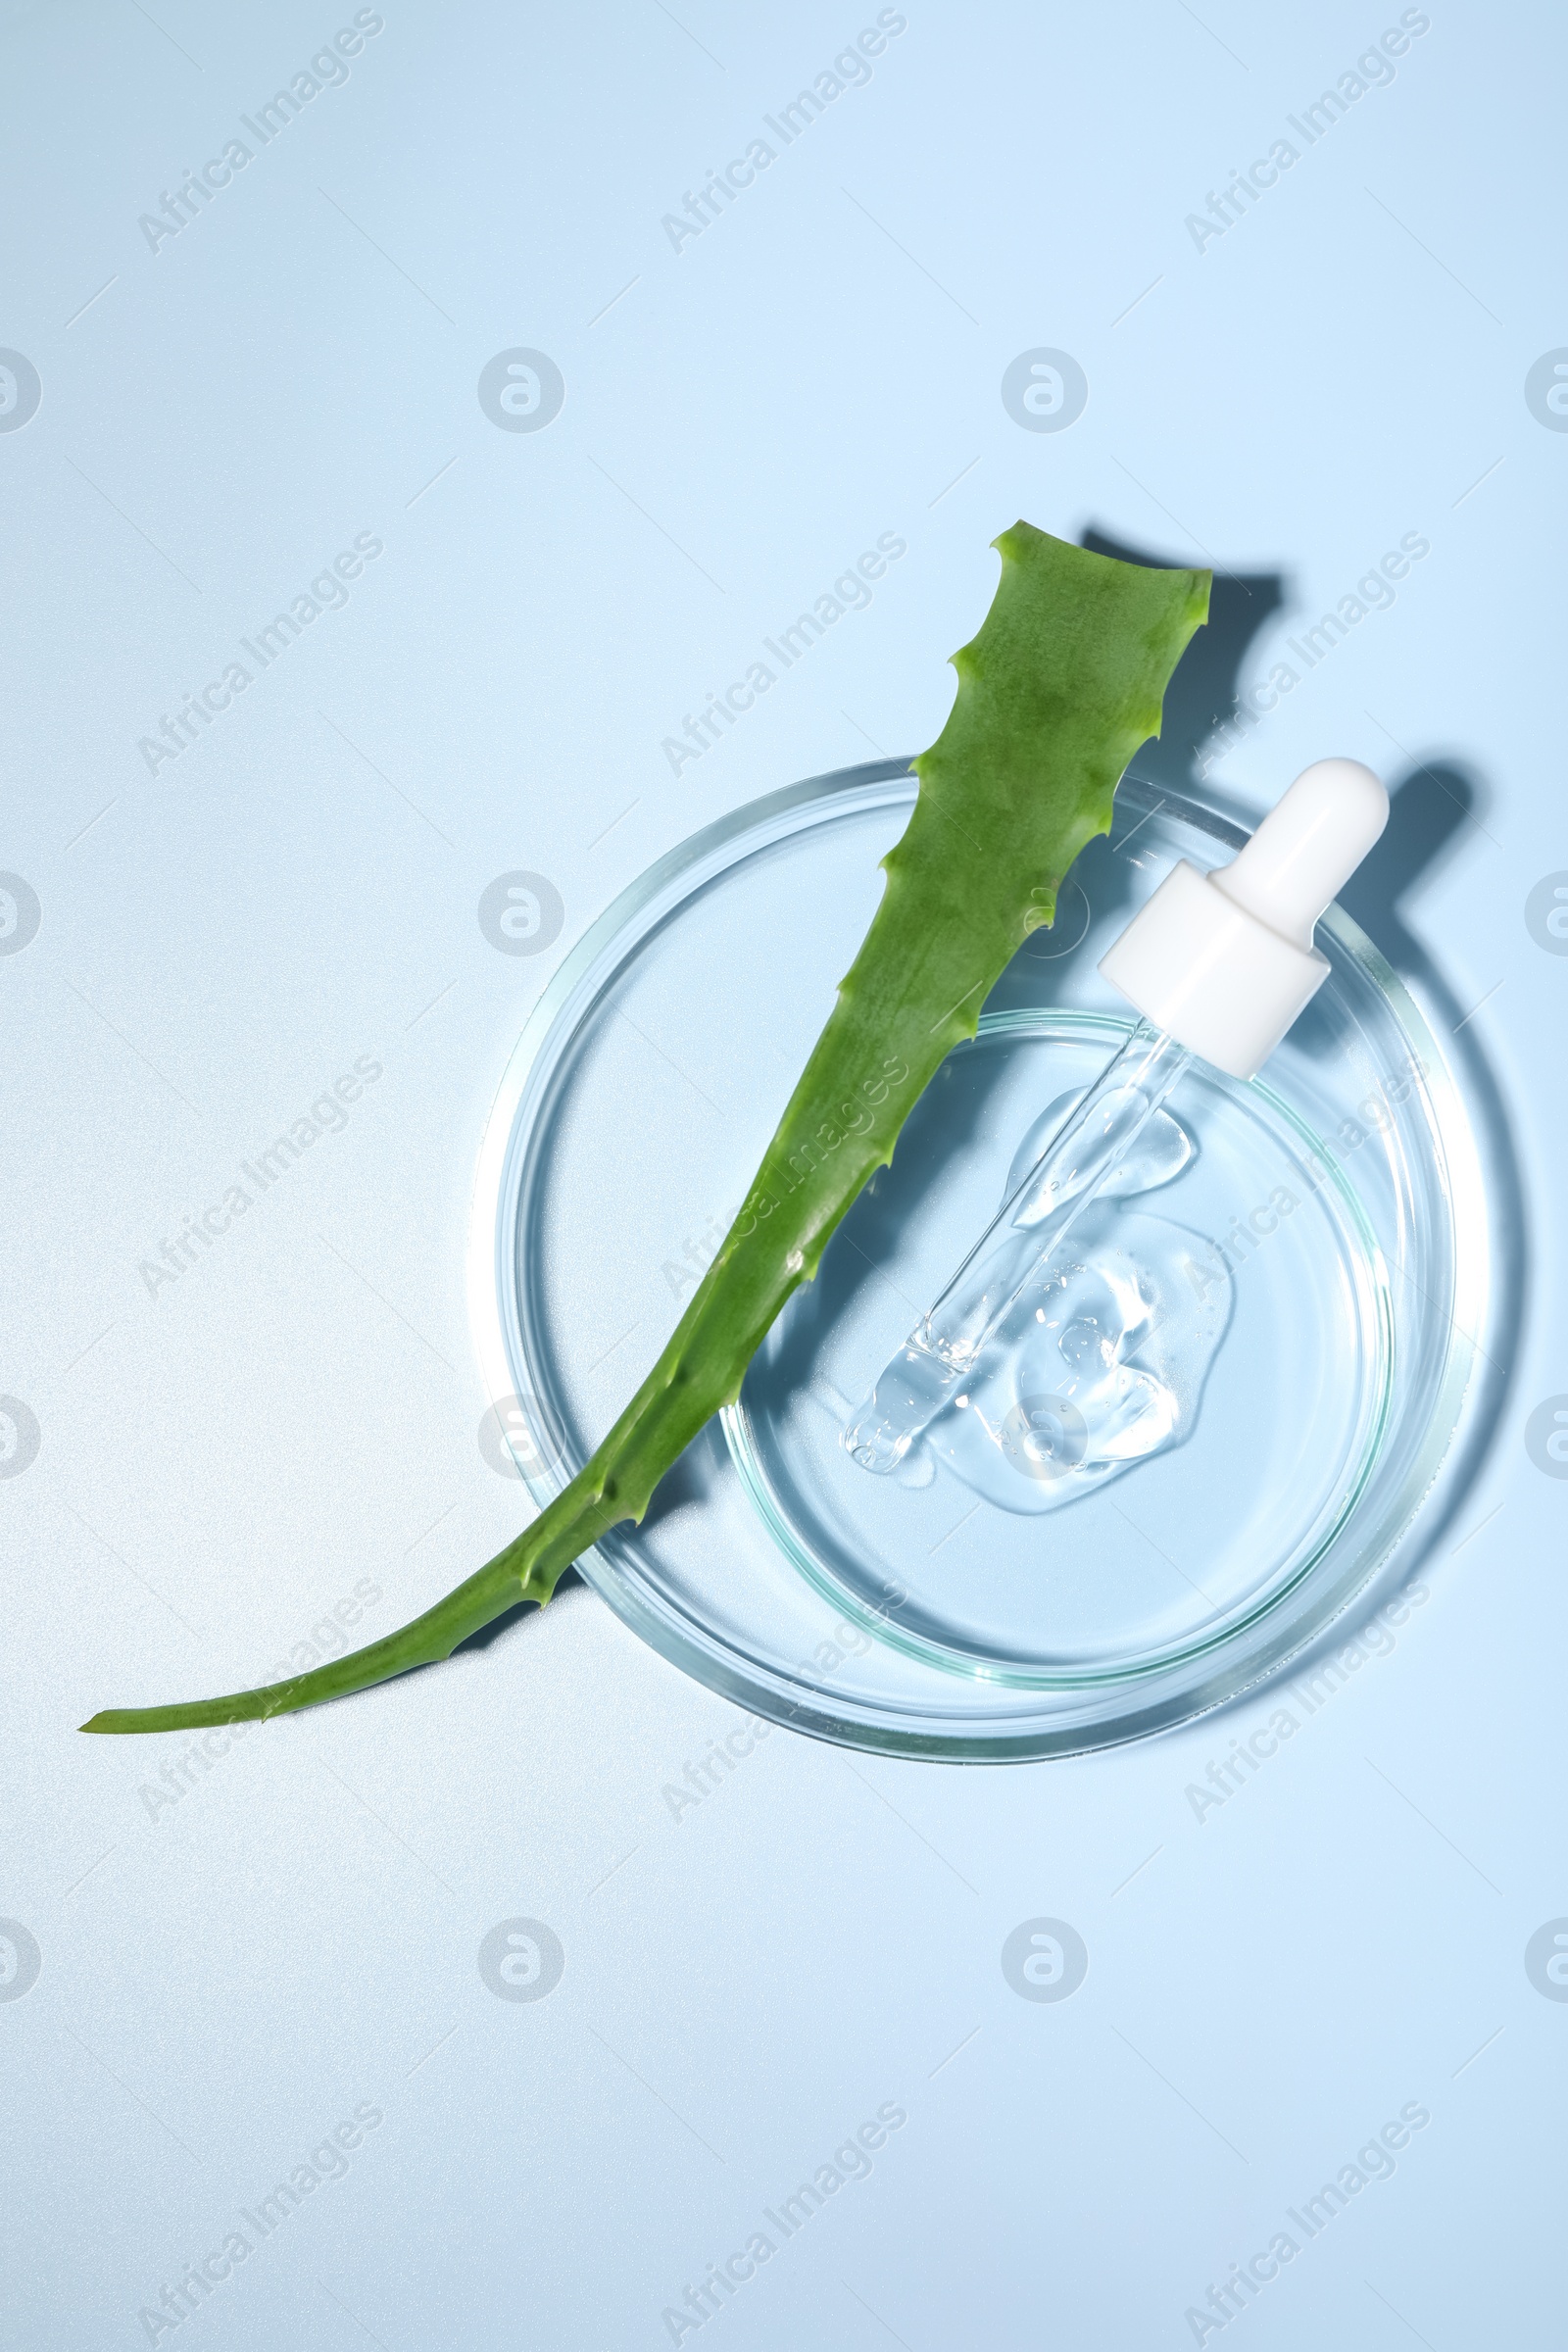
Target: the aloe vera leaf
(1059, 688)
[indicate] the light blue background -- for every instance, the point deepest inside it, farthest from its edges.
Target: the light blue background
(227, 1977)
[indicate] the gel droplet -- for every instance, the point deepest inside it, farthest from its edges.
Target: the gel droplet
(1098, 1366)
(1158, 1155)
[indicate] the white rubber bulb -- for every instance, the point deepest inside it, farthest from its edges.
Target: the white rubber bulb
(1224, 962)
(1308, 847)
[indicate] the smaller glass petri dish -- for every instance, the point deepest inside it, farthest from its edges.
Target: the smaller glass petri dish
(1320, 1232)
(1020, 1568)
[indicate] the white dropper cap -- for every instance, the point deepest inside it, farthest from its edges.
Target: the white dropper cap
(1224, 962)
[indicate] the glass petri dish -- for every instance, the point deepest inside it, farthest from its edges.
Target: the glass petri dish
(1326, 1218)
